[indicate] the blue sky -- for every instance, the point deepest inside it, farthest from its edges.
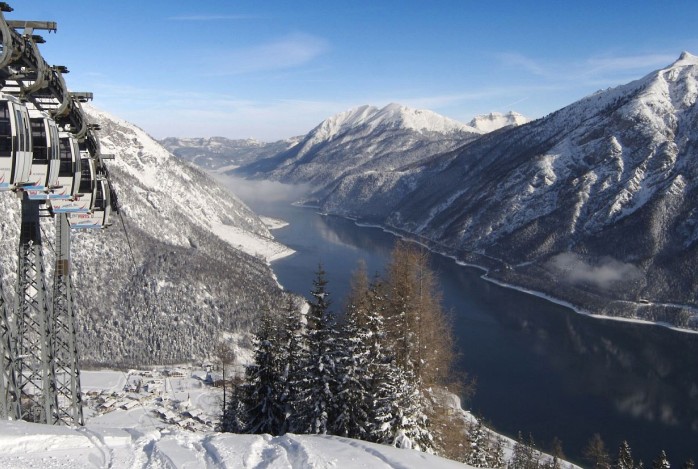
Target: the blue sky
(275, 69)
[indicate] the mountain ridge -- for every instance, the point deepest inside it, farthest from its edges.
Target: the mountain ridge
(361, 140)
(571, 182)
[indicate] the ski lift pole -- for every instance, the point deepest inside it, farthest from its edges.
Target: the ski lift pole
(64, 331)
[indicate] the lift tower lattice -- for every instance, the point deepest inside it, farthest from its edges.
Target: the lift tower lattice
(9, 396)
(35, 360)
(64, 333)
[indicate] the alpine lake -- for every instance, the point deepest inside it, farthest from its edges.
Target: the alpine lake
(540, 367)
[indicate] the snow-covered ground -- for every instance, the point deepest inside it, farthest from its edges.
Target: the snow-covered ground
(153, 419)
(251, 243)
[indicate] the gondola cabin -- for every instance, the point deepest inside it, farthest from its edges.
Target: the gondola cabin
(45, 162)
(15, 143)
(83, 201)
(68, 169)
(99, 216)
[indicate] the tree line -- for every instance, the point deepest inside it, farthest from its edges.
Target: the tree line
(369, 375)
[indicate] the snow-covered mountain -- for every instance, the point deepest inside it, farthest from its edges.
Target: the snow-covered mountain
(496, 120)
(220, 153)
(363, 140)
(167, 287)
(593, 204)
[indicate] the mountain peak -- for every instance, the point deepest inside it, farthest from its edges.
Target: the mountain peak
(393, 115)
(686, 58)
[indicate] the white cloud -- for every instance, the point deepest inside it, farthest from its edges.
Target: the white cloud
(521, 61)
(603, 273)
(629, 63)
(287, 52)
(604, 68)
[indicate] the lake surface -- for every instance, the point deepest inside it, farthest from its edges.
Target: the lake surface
(540, 367)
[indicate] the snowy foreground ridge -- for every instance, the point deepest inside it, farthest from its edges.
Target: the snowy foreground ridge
(153, 419)
(28, 445)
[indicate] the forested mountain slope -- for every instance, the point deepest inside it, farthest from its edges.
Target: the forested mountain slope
(171, 293)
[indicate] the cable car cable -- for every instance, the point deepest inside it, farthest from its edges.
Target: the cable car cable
(128, 240)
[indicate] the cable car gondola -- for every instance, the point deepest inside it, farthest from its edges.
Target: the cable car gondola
(45, 148)
(69, 168)
(99, 216)
(15, 143)
(83, 200)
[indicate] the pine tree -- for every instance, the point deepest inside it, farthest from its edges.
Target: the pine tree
(263, 388)
(688, 464)
(383, 376)
(353, 361)
(661, 462)
(497, 452)
(518, 456)
(524, 455)
(532, 454)
(293, 349)
(236, 413)
(595, 452)
(318, 386)
(624, 459)
(478, 454)
(409, 424)
(555, 462)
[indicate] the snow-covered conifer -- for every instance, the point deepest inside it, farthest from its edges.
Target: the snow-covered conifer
(478, 452)
(625, 459)
(316, 394)
(264, 384)
(353, 401)
(293, 348)
(662, 462)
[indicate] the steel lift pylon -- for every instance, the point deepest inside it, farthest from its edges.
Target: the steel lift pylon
(64, 331)
(47, 363)
(35, 360)
(9, 395)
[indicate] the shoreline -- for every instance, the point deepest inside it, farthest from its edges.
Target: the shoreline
(540, 294)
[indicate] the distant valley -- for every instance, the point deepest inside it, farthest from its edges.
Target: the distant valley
(592, 204)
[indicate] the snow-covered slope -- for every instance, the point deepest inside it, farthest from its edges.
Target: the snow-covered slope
(361, 141)
(164, 425)
(167, 287)
(595, 203)
(28, 446)
(496, 120)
